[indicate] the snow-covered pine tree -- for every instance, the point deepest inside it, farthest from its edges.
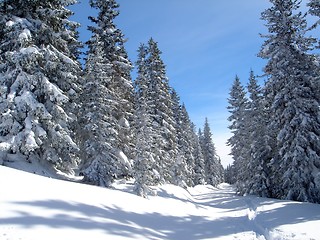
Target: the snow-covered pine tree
(257, 181)
(185, 163)
(199, 165)
(39, 75)
(161, 110)
(179, 167)
(238, 104)
(145, 156)
(213, 169)
(230, 174)
(187, 146)
(294, 104)
(107, 100)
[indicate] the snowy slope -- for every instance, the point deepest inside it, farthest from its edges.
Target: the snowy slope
(33, 207)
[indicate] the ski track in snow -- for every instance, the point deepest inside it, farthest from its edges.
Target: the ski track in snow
(225, 195)
(36, 208)
(261, 232)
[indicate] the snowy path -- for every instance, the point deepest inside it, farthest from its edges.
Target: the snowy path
(234, 215)
(259, 218)
(37, 208)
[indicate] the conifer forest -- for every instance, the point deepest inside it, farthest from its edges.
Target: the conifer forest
(88, 116)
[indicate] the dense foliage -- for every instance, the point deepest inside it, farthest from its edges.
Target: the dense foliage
(105, 126)
(276, 133)
(95, 120)
(39, 81)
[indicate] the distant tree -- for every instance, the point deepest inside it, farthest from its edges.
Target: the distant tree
(199, 165)
(107, 99)
(230, 174)
(39, 75)
(294, 110)
(213, 168)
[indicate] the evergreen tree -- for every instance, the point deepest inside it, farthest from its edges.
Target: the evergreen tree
(238, 105)
(186, 145)
(166, 125)
(179, 170)
(144, 162)
(213, 168)
(189, 146)
(39, 77)
(294, 102)
(161, 112)
(257, 181)
(107, 101)
(199, 165)
(230, 174)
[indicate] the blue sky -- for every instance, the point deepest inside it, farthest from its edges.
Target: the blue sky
(205, 43)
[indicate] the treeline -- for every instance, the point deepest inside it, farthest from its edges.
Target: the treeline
(94, 120)
(276, 128)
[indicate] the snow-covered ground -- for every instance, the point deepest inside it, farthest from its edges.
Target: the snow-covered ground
(33, 207)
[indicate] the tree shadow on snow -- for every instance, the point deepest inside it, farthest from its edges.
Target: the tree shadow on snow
(112, 220)
(117, 222)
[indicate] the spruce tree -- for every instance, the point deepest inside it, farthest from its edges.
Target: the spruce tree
(238, 105)
(230, 174)
(187, 146)
(257, 180)
(294, 102)
(39, 75)
(145, 158)
(161, 111)
(213, 169)
(107, 100)
(179, 167)
(199, 164)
